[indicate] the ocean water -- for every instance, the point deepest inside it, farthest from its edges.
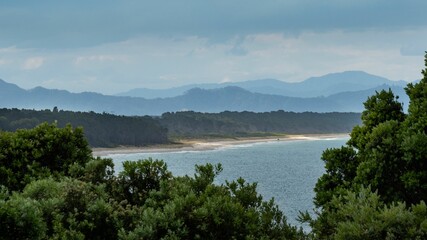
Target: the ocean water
(284, 170)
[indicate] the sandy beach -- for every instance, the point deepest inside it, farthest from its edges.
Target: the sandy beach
(209, 144)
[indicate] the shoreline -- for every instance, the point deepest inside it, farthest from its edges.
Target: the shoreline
(210, 144)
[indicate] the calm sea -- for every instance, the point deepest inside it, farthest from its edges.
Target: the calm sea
(284, 170)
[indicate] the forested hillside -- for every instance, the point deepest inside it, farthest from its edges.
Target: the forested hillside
(107, 130)
(101, 130)
(247, 123)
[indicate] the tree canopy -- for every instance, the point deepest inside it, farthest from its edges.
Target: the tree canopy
(235, 124)
(101, 130)
(52, 188)
(381, 173)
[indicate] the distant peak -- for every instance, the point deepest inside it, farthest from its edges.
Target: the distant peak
(38, 89)
(348, 76)
(232, 88)
(6, 86)
(349, 73)
(4, 82)
(226, 89)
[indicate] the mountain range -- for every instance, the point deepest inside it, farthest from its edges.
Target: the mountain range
(339, 92)
(312, 87)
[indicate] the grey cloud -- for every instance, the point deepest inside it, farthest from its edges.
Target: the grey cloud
(413, 51)
(416, 47)
(238, 50)
(81, 23)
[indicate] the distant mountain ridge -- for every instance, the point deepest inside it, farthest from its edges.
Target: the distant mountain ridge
(312, 87)
(229, 98)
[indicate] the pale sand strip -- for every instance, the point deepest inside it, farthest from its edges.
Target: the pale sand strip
(210, 144)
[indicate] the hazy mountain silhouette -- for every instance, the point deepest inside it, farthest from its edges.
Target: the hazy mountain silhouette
(196, 99)
(313, 87)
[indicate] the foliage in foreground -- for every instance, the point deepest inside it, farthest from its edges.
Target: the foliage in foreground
(388, 155)
(52, 188)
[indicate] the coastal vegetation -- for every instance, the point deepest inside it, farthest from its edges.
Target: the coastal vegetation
(195, 124)
(100, 130)
(374, 187)
(107, 130)
(52, 188)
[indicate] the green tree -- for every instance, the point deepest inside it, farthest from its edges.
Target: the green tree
(363, 215)
(73, 209)
(371, 156)
(415, 141)
(387, 154)
(196, 208)
(138, 178)
(26, 155)
(97, 171)
(21, 218)
(341, 165)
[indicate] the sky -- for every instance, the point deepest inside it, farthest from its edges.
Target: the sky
(111, 46)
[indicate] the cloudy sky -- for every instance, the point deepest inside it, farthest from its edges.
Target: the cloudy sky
(112, 46)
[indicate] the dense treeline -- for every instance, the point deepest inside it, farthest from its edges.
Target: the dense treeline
(107, 130)
(101, 130)
(52, 188)
(247, 123)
